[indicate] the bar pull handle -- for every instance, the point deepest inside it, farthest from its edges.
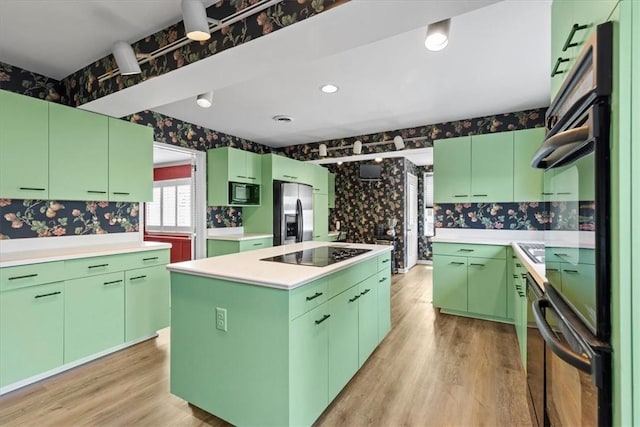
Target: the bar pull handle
(561, 254)
(354, 298)
(139, 277)
(260, 244)
(121, 193)
(559, 62)
(366, 291)
(476, 265)
(382, 280)
(96, 192)
(548, 194)
(466, 250)
(325, 317)
(153, 258)
(252, 177)
(480, 195)
(569, 42)
(460, 195)
(98, 266)
(48, 295)
(26, 276)
(552, 269)
(316, 295)
(113, 282)
(571, 271)
(385, 260)
(565, 193)
(518, 265)
(32, 188)
(456, 263)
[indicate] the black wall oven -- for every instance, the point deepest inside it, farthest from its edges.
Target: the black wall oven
(574, 316)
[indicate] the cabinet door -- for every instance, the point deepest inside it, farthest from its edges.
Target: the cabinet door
(343, 339)
(285, 169)
(368, 318)
(331, 191)
(130, 162)
(527, 181)
(452, 169)
(450, 282)
(24, 147)
(512, 294)
(554, 274)
(487, 286)
(320, 179)
(253, 244)
(384, 303)
(146, 301)
(577, 286)
(562, 19)
(78, 154)
(320, 217)
(253, 167)
(492, 167)
(93, 315)
(309, 366)
(237, 164)
(31, 331)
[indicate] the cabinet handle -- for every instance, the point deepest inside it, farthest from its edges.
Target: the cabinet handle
(98, 266)
(150, 258)
(521, 294)
(480, 195)
(252, 177)
(139, 277)
(325, 317)
(552, 269)
(354, 298)
(565, 193)
(515, 276)
(460, 195)
(571, 271)
(32, 188)
(260, 244)
(569, 42)
(559, 61)
(26, 276)
(548, 194)
(113, 282)
(524, 275)
(317, 294)
(466, 250)
(121, 193)
(366, 291)
(382, 280)
(96, 192)
(48, 295)
(561, 254)
(476, 265)
(456, 263)
(385, 260)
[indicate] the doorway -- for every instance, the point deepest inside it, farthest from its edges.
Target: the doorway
(412, 220)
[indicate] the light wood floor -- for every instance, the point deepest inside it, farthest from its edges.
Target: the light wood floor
(432, 369)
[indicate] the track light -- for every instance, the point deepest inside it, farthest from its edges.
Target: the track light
(357, 147)
(437, 35)
(322, 150)
(205, 99)
(398, 142)
(126, 58)
(194, 15)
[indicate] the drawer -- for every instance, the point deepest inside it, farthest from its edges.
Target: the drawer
(344, 279)
(249, 245)
(384, 262)
(84, 267)
(306, 297)
(384, 277)
(143, 259)
(22, 276)
(570, 255)
(461, 249)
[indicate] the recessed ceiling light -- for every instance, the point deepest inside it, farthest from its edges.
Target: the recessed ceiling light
(378, 159)
(329, 88)
(281, 118)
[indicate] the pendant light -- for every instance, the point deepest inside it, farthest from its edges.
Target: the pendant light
(322, 150)
(437, 35)
(194, 15)
(205, 100)
(126, 58)
(398, 142)
(357, 147)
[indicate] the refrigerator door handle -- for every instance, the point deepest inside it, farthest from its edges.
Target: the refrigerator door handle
(558, 347)
(299, 221)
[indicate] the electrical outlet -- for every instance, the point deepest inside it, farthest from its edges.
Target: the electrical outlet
(221, 319)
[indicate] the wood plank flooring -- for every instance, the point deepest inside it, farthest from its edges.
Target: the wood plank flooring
(431, 370)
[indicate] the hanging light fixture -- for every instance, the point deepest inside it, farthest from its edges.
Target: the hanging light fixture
(126, 58)
(322, 150)
(437, 35)
(398, 142)
(357, 147)
(205, 100)
(194, 15)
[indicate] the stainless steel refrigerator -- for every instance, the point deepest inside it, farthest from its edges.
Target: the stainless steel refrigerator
(292, 213)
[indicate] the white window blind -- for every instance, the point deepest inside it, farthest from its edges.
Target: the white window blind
(170, 210)
(429, 216)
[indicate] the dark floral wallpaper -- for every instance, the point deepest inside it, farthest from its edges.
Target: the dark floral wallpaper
(226, 216)
(20, 219)
(83, 86)
(18, 80)
(479, 125)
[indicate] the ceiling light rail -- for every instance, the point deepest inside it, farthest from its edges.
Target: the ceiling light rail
(398, 142)
(214, 25)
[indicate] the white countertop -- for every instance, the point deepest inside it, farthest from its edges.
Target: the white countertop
(247, 267)
(536, 270)
(241, 236)
(32, 257)
(485, 237)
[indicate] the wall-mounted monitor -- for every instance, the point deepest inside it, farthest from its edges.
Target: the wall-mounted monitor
(370, 171)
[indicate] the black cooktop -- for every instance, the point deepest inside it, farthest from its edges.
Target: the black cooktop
(318, 257)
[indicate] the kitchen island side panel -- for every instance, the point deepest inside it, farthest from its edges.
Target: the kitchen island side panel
(240, 375)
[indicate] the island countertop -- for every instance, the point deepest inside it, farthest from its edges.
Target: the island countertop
(248, 267)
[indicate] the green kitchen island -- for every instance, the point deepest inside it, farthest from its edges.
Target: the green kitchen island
(259, 342)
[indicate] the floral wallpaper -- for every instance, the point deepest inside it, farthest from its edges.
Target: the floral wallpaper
(83, 86)
(572, 216)
(18, 80)
(494, 216)
(21, 219)
(226, 216)
(479, 125)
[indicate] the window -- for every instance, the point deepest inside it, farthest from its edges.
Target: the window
(170, 210)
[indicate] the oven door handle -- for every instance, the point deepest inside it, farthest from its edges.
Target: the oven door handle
(557, 141)
(559, 348)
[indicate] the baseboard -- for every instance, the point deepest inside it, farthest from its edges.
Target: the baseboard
(425, 262)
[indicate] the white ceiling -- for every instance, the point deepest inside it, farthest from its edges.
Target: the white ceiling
(497, 61)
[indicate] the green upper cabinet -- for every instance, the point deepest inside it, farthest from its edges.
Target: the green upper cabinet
(452, 169)
(226, 165)
(320, 217)
(332, 189)
(492, 167)
(527, 181)
(24, 135)
(130, 162)
(286, 169)
(320, 179)
(78, 154)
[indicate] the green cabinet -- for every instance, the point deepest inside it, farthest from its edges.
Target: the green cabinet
(321, 217)
(146, 304)
(470, 280)
(320, 177)
(226, 165)
(384, 295)
(77, 134)
(492, 167)
(24, 147)
(331, 191)
(286, 169)
(217, 247)
(130, 161)
(527, 181)
(367, 318)
(518, 300)
(452, 169)
(31, 331)
(574, 278)
(93, 315)
(343, 336)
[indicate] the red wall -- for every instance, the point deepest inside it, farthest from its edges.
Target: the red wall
(172, 172)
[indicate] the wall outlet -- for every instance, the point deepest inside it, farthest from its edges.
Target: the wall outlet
(221, 319)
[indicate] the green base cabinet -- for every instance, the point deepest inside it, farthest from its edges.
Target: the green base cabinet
(450, 282)
(487, 286)
(343, 335)
(384, 295)
(217, 247)
(146, 303)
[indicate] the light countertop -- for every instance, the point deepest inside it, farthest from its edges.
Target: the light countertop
(240, 236)
(537, 270)
(32, 257)
(247, 267)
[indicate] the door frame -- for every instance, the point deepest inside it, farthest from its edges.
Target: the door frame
(411, 215)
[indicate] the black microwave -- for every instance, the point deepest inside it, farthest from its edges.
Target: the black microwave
(244, 194)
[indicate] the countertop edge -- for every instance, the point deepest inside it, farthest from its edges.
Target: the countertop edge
(240, 237)
(529, 265)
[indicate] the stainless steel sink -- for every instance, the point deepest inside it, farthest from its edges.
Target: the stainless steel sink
(535, 251)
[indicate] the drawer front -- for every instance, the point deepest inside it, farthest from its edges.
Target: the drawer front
(84, 267)
(249, 245)
(570, 255)
(482, 251)
(29, 275)
(307, 297)
(384, 262)
(146, 259)
(344, 279)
